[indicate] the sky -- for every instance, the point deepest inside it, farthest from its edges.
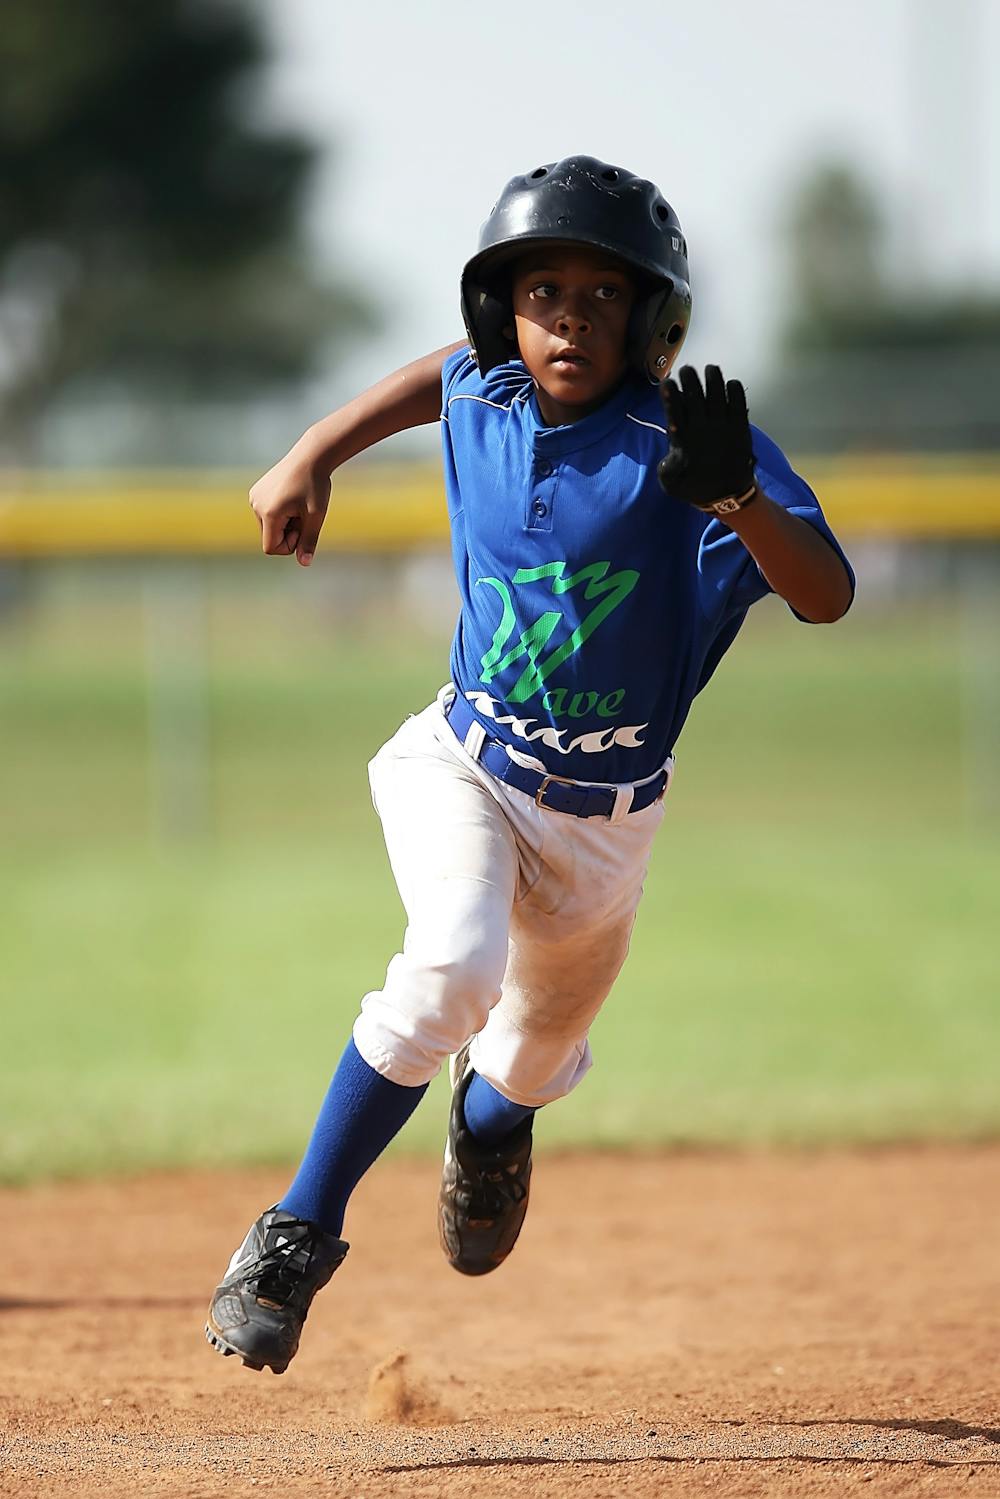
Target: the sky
(429, 108)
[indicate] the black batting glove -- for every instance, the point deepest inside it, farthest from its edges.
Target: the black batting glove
(710, 462)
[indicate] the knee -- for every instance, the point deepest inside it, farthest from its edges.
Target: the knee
(461, 976)
(430, 1005)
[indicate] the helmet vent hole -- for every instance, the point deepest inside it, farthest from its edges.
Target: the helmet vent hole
(674, 334)
(662, 212)
(539, 172)
(611, 175)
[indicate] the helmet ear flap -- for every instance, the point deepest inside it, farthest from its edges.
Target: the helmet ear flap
(492, 326)
(656, 330)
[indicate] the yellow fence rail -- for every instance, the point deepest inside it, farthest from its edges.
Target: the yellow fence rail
(395, 509)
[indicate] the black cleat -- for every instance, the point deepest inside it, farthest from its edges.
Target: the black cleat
(484, 1188)
(258, 1310)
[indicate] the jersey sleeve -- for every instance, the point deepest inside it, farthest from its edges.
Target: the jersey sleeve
(457, 370)
(461, 380)
(729, 578)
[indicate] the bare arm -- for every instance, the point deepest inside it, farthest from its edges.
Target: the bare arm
(292, 498)
(795, 559)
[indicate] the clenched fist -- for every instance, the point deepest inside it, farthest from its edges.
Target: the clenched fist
(290, 503)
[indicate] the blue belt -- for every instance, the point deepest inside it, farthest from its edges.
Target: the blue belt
(554, 792)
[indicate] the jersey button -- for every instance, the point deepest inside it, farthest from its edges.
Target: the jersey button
(539, 507)
(543, 467)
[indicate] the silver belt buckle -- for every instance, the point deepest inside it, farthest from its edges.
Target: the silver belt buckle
(549, 780)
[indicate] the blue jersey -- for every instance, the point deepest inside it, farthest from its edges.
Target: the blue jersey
(594, 607)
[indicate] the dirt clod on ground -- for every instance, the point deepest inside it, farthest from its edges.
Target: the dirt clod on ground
(756, 1325)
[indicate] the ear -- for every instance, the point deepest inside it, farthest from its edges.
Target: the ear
(509, 331)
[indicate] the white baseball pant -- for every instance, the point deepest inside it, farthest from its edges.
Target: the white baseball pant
(518, 919)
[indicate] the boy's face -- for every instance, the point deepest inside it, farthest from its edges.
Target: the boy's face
(571, 311)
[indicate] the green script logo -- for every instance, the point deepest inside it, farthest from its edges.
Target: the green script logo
(608, 592)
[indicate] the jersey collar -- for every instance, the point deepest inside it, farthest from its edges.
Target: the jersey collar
(556, 441)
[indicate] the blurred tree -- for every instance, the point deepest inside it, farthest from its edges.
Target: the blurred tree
(835, 232)
(150, 231)
(865, 361)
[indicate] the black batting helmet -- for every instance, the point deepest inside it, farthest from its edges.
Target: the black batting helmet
(583, 201)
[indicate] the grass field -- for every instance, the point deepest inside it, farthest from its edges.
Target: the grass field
(815, 958)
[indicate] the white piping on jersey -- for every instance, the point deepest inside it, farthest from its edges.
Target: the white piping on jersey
(484, 402)
(497, 406)
(639, 423)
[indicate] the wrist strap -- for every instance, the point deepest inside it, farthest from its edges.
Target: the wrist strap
(733, 502)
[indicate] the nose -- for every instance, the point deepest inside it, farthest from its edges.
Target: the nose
(573, 316)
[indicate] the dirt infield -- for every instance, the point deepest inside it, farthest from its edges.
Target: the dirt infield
(747, 1325)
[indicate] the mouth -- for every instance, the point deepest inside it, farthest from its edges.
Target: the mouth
(569, 358)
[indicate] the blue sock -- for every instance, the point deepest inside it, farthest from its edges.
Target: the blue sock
(361, 1113)
(489, 1116)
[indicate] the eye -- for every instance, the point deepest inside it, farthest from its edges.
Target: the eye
(607, 293)
(542, 290)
